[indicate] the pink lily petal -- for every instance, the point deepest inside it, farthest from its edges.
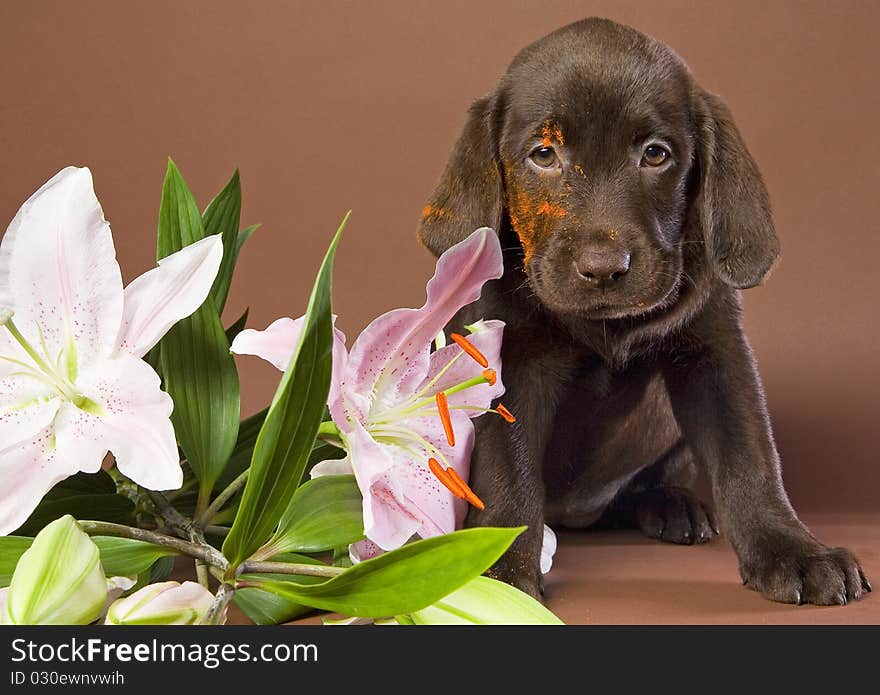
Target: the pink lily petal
(363, 550)
(58, 270)
(408, 499)
(390, 358)
(29, 470)
(488, 341)
(277, 342)
(133, 422)
(332, 467)
(173, 290)
(26, 407)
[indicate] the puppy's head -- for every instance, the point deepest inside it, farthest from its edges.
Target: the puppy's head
(602, 155)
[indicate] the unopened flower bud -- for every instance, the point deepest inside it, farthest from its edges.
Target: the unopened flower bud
(166, 603)
(58, 580)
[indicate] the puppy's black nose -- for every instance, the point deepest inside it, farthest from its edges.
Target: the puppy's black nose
(603, 266)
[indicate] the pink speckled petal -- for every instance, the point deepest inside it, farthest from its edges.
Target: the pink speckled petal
(277, 342)
(363, 550)
(29, 470)
(390, 358)
(58, 271)
(488, 341)
(173, 290)
(135, 424)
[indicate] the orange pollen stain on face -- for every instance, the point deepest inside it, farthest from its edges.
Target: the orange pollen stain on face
(612, 234)
(431, 211)
(580, 170)
(549, 132)
(551, 209)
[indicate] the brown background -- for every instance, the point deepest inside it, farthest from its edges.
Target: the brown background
(326, 106)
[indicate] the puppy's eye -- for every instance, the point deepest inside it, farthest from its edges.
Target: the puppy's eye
(544, 157)
(654, 156)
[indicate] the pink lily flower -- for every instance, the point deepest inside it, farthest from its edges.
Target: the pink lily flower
(73, 384)
(402, 412)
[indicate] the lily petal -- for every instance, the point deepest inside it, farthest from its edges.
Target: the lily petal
(277, 342)
(58, 270)
(391, 357)
(488, 342)
(173, 290)
(28, 471)
(131, 419)
(26, 407)
(332, 467)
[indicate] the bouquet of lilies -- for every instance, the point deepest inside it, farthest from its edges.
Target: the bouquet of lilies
(124, 459)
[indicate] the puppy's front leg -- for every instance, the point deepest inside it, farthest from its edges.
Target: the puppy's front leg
(506, 463)
(719, 403)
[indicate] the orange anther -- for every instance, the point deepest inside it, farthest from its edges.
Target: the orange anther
(445, 418)
(505, 413)
(443, 476)
(469, 348)
(490, 375)
(469, 494)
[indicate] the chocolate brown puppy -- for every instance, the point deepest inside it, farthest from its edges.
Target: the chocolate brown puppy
(631, 215)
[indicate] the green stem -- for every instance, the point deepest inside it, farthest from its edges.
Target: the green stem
(254, 567)
(210, 512)
(204, 552)
(218, 606)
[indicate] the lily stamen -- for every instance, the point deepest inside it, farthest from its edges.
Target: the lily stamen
(491, 376)
(470, 349)
(445, 418)
(469, 494)
(441, 474)
(505, 413)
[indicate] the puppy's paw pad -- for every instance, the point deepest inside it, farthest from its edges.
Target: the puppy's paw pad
(820, 576)
(675, 515)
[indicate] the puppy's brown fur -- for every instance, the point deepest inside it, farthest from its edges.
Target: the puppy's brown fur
(624, 356)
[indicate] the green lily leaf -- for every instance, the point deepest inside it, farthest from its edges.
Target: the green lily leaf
(325, 513)
(288, 434)
(124, 557)
(243, 450)
(222, 216)
(120, 557)
(199, 372)
(266, 608)
(237, 327)
(404, 580)
(485, 601)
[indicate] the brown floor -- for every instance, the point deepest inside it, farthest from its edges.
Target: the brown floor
(621, 577)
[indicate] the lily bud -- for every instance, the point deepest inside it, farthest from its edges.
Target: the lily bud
(58, 580)
(166, 603)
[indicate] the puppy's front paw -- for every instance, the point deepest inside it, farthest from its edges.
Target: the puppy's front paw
(518, 572)
(810, 574)
(675, 515)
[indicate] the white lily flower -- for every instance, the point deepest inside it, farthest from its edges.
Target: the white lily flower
(166, 603)
(73, 384)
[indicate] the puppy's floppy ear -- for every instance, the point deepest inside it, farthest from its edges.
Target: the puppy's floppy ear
(469, 195)
(734, 212)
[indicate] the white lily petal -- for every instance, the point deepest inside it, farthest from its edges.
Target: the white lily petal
(332, 467)
(173, 290)
(548, 549)
(58, 271)
(132, 421)
(28, 471)
(26, 407)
